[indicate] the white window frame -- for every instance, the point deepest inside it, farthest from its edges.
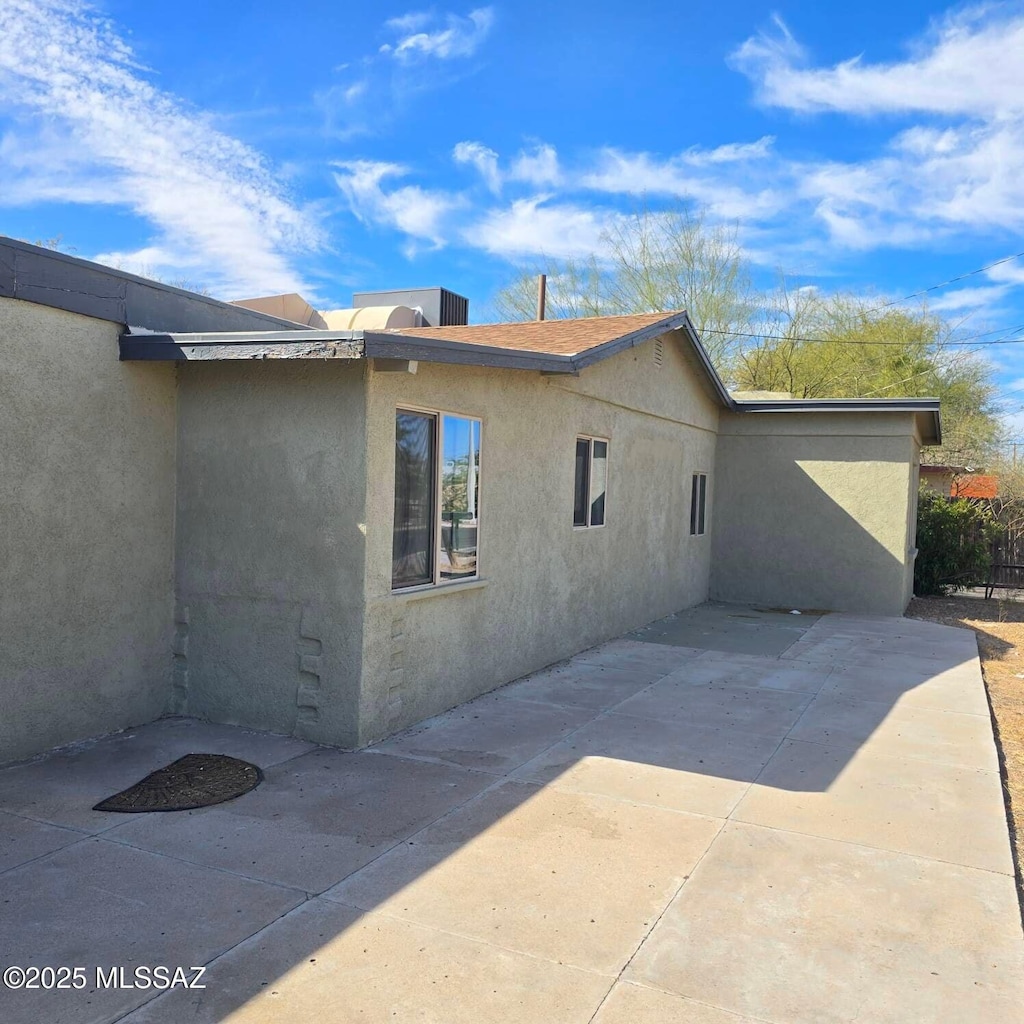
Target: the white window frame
(698, 514)
(591, 438)
(439, 415)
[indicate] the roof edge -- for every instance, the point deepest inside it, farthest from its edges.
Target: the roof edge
(925, 408)
(33, 273)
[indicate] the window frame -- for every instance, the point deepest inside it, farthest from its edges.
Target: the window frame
(437, 477)
(699, 504)
(590, 439)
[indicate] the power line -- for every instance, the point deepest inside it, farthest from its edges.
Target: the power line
(944, 284)
(969, 341)
(896, 302)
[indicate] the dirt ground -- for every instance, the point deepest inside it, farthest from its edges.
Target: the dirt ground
(999, 624)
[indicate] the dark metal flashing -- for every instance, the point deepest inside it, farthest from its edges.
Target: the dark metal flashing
(47, 278)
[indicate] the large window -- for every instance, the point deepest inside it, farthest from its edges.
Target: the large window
(437, 498)
(698, 503)
(591, 481)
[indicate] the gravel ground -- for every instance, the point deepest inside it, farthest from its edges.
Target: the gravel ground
(999, 624)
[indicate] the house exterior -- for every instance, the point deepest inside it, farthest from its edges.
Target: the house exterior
(210, 510)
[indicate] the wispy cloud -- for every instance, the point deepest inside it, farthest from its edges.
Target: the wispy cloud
(418, 213)
(535, 225)
(484, 159)
(218, 209)
(428, 51)
(965, 65)
(421, 35)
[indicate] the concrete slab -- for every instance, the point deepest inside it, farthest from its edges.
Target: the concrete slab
(491, 734)
(667, 764)
(570, 877)
(917, 807)
(62, 786)
(958, 689)
(753, 671)
(626, 652)
(743, 709)
(313, 821)
(733, 628)
(758, 837)
(594, 686)
(794, 928)
(99, 904)
(22, 839)
(326, 962)
(942, 737)
(628, 1003)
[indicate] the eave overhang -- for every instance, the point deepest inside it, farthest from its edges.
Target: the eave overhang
(393, 345)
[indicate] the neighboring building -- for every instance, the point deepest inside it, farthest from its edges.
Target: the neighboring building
(208, 510)
(959, 482)
(940, 478)
(975, 485)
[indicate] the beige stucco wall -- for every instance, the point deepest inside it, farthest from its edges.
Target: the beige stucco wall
(270, 539)
(550, 590)
(86, 531)
(815, 511)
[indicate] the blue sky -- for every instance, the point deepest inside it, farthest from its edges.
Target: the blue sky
(327, 148)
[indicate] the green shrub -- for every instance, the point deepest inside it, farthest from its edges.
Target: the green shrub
(954, 541)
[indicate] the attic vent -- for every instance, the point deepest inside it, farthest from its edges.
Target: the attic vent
(659, 352)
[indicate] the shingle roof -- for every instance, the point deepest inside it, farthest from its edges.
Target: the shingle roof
(553, 337)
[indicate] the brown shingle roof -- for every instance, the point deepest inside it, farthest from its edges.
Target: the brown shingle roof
(553, 337)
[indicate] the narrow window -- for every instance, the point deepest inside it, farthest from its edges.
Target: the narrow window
(437, 499)
(579, 512)
(460, 494)
(698, 503)
(598, 482)
(412, 562)
(591, 482)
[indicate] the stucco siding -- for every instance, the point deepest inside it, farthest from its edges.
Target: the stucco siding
(814, 511)
(270, 521)
(86, 531)
(549, 590)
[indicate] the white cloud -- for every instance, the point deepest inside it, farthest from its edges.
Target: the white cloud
(65, 73)
(460, 37)
(531, 227)
(960, 299)
(483, 159)
(731, 152)
(416, 212)
(538, 167)
(967, 65)
(647, 174)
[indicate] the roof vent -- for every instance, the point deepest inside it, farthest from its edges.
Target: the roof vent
(659, 352)
(438, 306)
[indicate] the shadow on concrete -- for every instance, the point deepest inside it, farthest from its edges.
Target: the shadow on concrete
(699, 724)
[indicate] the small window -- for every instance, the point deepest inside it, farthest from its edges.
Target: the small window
(698, 503)
(591, 482)
(437, 499)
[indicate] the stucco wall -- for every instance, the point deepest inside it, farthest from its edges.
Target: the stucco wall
(815, 511)
(269, 552)
(550, 590)
(86, 531)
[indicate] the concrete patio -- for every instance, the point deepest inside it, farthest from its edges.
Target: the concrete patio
(728, 816)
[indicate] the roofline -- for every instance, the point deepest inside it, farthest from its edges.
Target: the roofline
(33, 273)
(319, 344)
(918, 406)
(395, 345)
